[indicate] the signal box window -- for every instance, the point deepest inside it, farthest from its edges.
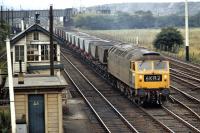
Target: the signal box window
(19, 53)
(32, 52)
(35, 35)
(44, 52)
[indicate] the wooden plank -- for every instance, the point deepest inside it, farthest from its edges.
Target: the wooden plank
(20, 111)
(52, 119)
(52, 106)
(52, 115)
(19, 103)
(53, 130)
(20, 108)
(20, 99)
(26, 101)
(60, 113)
(19, 96)
(19, 115)
(52, 103)
(52, 125)
(46, 113)
(52, 99)
(44, 37)
(53, 122)
(52, 110)
(29, 37)
(52, 95)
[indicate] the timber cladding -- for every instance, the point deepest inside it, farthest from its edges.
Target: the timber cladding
(54, 114)
(53, 111)
(21, 108)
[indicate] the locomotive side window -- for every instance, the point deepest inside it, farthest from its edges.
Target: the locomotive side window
(144, 65)
(160, 65)
(133, 66)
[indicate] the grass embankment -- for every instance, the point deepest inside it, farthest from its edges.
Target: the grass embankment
(146, 37)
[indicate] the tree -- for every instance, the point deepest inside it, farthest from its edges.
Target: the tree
(169, 39)
(4, 31)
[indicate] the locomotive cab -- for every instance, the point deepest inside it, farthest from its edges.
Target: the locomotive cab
(141, 74)
(151, 79)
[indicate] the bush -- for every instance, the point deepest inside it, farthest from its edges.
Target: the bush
(169, 39)
(5, 121)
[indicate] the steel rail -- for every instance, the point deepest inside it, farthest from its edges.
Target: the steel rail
(186, 94)
(188, 108)
(89, 104)
(182, 120)
(196, 87)
(118, 113)
(175, 60)
(185, 74)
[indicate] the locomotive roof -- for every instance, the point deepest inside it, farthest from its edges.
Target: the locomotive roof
(132, 52)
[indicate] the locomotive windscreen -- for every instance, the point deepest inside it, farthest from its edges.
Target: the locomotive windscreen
(151, 53)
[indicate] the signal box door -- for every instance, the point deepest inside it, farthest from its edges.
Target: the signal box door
(36, 114)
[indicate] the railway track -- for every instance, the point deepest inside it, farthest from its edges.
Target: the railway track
(111, 119)
(182, 78)
(171, 120)
(184, 68)
(3, 60)
(165, 123)
(186, 100)
(187, 84)
(186, 77)
(3, 55)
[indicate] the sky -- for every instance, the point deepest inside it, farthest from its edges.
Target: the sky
(61, 4)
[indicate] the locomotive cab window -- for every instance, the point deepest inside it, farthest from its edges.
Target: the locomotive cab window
(133, 66)
(160, 65)
(144, 65)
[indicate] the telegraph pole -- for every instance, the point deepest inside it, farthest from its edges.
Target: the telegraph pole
(51, 41)
(186, 32)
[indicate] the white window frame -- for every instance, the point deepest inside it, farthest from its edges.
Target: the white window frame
(38, 35)
(19, 52)
(48, 49)
(33, 54)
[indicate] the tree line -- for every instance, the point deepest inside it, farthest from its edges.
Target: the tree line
(140, 19)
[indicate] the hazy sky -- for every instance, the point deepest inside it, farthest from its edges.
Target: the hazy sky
(44, 4)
